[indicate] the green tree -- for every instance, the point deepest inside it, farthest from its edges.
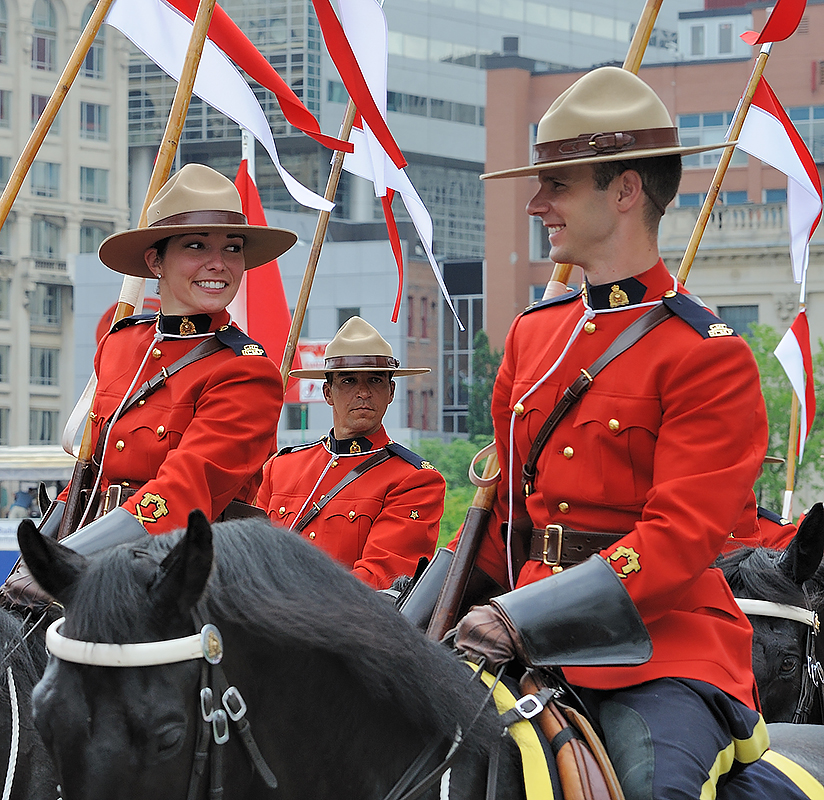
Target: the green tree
(485, 364)
(777, 391)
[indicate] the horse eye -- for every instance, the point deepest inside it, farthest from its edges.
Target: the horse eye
(788, 665)
(167, 739)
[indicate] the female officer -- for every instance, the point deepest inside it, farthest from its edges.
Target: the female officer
(186, 407)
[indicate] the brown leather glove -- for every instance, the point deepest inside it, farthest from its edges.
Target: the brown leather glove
(487, 633)
(22, 593)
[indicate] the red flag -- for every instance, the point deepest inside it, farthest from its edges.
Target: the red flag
(267, 312)
(349, 70)
(796, 358)
(229, 38)
(781, 23)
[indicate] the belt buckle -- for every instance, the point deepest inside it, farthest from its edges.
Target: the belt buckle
(558, 531)
(113, 499)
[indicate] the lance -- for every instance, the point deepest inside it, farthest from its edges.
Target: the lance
(64, 82)
(132, 288)
(449, 601)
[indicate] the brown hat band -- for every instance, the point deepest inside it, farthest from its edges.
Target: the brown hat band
(203, 218)
(343, 363)
(589, 144)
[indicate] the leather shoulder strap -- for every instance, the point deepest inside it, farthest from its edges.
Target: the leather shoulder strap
(354, 473)
(576, 390)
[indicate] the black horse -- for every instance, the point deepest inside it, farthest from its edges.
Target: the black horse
(341, 698)
(28, 773)
(786, 650)
(342, 695)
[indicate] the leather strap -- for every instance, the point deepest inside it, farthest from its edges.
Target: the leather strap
(557, 545)
(576, 390)
(350, 476)
(593, 144)
(204, 349)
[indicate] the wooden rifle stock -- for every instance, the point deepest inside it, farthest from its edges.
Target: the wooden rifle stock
(460, 568)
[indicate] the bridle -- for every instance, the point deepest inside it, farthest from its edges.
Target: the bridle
(812, 677)
(220, 703)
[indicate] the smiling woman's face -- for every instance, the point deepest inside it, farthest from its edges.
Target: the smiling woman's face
(200, 273)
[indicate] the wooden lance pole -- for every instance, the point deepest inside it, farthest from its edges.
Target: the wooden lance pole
(64, 82)
(83, 475)
(451, 596)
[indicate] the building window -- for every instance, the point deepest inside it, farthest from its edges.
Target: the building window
(92, 234)
(707, 129)
(424, 318)
(697, 35)
(44, 366)
(739, 318)
(45, 238)
(45, 179)
(38, 106)
(43, 427)
(538, 240)
(94, 185)
(809, 122)
(93, 63)
(44, 40)
(347, 313)
(5, 362)
(734, 198)
(296, 416)
(94, 121)
(46, 305)
(5, 169)
(5, 294)
(4, 426)
(410, 316)
(5, 108)
(725, 39)
(410, 408)
(4, 25)
(775, 195)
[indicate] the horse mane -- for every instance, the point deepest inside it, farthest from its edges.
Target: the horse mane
(26, 655)
(753, 572)
(284, 591)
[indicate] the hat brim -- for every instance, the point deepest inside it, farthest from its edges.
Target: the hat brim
(535, 169)
(123, 252)
(320, 374)
(774, 460)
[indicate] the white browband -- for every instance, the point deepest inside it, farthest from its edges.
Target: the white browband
(207, 644)
(766, 608)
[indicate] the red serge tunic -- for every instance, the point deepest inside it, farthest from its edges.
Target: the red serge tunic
(380, 524)
(201, 439)
(664, 447)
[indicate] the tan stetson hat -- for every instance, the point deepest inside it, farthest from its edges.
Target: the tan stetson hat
(609, 114)
(195, 199)
(358, 347)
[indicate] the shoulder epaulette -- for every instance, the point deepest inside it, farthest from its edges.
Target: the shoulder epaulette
(407, 455)
(698, 316)
(295, 447)
(552, 301)
(765, 513)
(135, 319)
(239, 342)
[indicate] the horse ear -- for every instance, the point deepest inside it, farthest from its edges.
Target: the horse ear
(54, 567)
(804, 553)
(186, 569)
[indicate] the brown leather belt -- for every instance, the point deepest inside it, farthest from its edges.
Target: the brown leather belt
(559, 546)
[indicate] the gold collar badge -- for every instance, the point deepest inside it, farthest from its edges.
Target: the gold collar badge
(618, 297)
(187, 327)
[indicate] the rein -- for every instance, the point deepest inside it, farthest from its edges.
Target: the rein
(219, 702)
(812, 678)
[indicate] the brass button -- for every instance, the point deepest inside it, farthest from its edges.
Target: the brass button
(141, 402)
(223, 328)
(120, 444)
(281, 511)
(563, 507)
(125, 483)
(351, 515)
(568, 452)
(518, 409)
(589, 327)
(160, 430)
(670, 293)
(156, 353)
(334, 464)
(312, 535)
(92, 416)
(614, 425)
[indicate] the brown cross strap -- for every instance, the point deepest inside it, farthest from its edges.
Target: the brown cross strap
(576, 390)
